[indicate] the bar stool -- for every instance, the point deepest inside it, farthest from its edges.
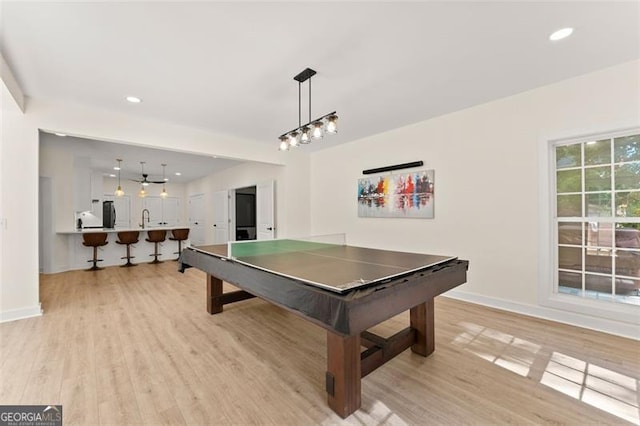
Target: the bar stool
(95, 240)
(156, 236)
(128, 238)
(179, 235)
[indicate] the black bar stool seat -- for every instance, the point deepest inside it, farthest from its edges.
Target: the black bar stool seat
(179, 235)
(127, 238)
(95, 240)
(156, 236)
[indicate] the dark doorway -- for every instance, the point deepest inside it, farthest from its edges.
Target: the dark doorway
(246, 213)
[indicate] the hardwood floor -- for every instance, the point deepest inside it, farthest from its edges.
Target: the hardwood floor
(136, 345)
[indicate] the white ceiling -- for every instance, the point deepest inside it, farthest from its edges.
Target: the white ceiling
(102, 157)
(229, 67)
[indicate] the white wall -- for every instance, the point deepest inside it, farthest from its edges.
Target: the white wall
(18, 212)
(486, 179)
(19, 295)
(291, 192)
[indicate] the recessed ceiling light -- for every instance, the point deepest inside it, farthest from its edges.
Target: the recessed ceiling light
(134, 100)
(166, 179)
(112, 175)
(116, 167)
(62, 135)
(178, 174)
(560, 34)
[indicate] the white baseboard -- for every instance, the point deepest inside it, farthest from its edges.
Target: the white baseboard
(17, 314)
(617, 328)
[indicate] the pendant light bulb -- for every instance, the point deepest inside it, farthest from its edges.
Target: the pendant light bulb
(293, 139)
(317, 130)
(142, 192)
(119, 192)
(305, 135)
(332, 124)
(284, 146)
(164, 194)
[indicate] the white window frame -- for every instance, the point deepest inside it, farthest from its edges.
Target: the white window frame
(548, 243)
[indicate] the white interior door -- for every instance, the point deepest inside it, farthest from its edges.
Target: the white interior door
(220, 217)
(196, 219)
(265, 211)
(171, 211)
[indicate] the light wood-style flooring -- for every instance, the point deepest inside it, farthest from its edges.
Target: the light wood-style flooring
(136, 346)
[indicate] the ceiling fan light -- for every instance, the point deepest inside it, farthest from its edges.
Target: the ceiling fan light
(145, 183)
(317, 130)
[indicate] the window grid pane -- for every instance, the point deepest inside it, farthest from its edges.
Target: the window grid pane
(598, 219)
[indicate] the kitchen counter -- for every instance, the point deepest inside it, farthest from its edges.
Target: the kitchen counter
(114, 230)
(112, 253)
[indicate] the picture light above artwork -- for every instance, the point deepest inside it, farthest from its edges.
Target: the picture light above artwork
(394, 167)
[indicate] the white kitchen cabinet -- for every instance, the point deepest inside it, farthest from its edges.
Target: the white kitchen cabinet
(81, 184)
(87, 187)
(97, 193)
(163, 211)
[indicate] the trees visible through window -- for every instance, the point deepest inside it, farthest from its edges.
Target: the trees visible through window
(598, 219)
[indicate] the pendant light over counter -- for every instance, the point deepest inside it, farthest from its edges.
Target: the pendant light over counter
(144, 181)
(164, 194)
(119, 192)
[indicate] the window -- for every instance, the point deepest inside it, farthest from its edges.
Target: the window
(597, 218)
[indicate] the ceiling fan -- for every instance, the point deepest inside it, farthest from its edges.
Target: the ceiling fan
(145, 178)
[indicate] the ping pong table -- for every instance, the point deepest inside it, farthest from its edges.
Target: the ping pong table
(342, 288)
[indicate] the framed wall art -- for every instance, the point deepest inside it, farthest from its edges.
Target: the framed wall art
(405, 195)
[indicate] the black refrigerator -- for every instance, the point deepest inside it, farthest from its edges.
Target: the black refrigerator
(108, 215)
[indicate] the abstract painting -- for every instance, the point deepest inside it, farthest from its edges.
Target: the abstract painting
(408, 195)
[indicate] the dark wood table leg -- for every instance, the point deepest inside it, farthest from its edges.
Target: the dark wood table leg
(343, 373)
(214, 292)
(422, 320)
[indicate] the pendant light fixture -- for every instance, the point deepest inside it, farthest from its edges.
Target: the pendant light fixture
(142, 193)
(314, 129)
(119, 192)
(163, 194)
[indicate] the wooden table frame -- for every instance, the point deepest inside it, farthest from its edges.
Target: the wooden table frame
(346, 364)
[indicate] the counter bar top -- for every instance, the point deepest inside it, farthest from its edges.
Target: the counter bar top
(114, 230)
